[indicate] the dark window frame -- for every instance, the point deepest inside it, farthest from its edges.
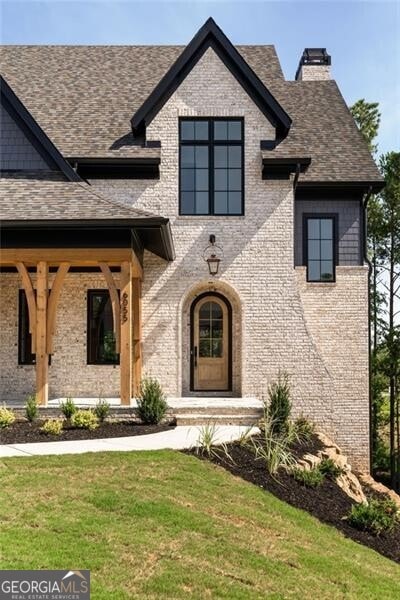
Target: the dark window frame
(334, 217)
(23, 332)
(211, 143)
(89, 295)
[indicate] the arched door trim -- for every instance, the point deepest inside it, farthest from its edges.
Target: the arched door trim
(228, 305)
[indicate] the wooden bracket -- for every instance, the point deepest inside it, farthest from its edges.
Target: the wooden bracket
(53, 302)
(31, 301)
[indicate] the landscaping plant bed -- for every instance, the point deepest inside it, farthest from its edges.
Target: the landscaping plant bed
(22, 432)
(328, 502)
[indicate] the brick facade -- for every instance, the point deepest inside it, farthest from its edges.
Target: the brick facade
(317, 332)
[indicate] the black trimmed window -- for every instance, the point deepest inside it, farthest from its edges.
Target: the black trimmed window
(320, 247)
(100, 330)
(25, 356)
(211, 159)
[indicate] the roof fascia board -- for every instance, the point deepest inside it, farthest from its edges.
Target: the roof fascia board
(36, 134)
(210, 35)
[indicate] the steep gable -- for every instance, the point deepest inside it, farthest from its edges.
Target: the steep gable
(211, 36)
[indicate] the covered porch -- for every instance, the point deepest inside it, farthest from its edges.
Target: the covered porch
(68, 232)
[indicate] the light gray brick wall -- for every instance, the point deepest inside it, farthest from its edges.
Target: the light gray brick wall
(16, 151)
(318, 333)
(349, 227)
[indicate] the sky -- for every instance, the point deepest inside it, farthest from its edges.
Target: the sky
(363, 37)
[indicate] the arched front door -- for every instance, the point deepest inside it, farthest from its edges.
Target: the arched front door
(211, 343)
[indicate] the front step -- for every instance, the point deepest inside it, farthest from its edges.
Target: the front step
(202, 419)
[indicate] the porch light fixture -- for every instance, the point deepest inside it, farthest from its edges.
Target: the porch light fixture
(213, 255)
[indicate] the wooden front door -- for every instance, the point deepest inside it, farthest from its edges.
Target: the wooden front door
(211, 341)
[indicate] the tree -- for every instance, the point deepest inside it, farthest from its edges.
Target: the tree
(388, 256)
(367, 118)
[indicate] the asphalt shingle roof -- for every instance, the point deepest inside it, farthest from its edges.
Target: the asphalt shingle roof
(84, 97)
(33, 200)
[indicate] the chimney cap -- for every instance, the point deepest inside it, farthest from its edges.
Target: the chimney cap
(313, 56)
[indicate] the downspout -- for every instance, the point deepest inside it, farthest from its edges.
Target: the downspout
(366, 259)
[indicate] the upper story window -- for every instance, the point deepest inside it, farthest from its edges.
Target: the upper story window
(211, 166)
(100, 333)
(320, 247)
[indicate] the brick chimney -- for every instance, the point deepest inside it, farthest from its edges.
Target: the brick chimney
(315, 64)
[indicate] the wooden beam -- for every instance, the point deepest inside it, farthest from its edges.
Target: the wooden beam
(112, 288)
(31, 301)
(137, 334)
(42, 358)
(126, 333)
(80, 257)
(53, 303)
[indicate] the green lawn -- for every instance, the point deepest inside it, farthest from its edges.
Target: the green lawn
(165, 525)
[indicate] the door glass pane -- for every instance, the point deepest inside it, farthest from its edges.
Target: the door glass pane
(205, 310)
(204, 328)
(205, 348)
(216, 310)
(217, 348)
(216, 329)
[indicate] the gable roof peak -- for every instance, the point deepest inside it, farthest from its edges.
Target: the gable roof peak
(210, 35)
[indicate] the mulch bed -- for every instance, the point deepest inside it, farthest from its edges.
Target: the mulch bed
(328, 502)
(22, 432)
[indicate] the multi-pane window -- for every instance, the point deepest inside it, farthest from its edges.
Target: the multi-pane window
(25, 356)
(211, 166)
(100, 334)
(210, 330)
(320, 248)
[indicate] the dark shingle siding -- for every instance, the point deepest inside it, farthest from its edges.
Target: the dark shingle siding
(16, 151)
(348, 212)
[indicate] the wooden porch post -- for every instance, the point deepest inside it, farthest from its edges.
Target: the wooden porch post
(126, 333)
(137, 335)
(42, 358)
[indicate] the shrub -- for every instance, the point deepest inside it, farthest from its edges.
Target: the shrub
(102, 410)
(279, 403)
(31, 408)
(84, 419)
(7, 417)
(304, 429)
(313, 478)
(52, 426)
(376, 517)
(207, 443)
(68, 408)
(273, 448)
(151, 403)
(328, 467)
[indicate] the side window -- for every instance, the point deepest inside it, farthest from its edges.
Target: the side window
(211, 166)
(100, 334)
(25, 356)
(320, 247)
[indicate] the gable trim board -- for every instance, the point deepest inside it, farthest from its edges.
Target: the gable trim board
(34, 133)
(211, 36)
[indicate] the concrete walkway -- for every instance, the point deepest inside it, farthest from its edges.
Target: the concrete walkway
(178, 438)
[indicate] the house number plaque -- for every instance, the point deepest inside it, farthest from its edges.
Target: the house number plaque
(124, 307)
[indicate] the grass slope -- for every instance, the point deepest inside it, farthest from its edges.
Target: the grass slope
(166, 525)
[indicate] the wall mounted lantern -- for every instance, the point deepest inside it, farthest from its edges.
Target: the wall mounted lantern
(213, 255)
